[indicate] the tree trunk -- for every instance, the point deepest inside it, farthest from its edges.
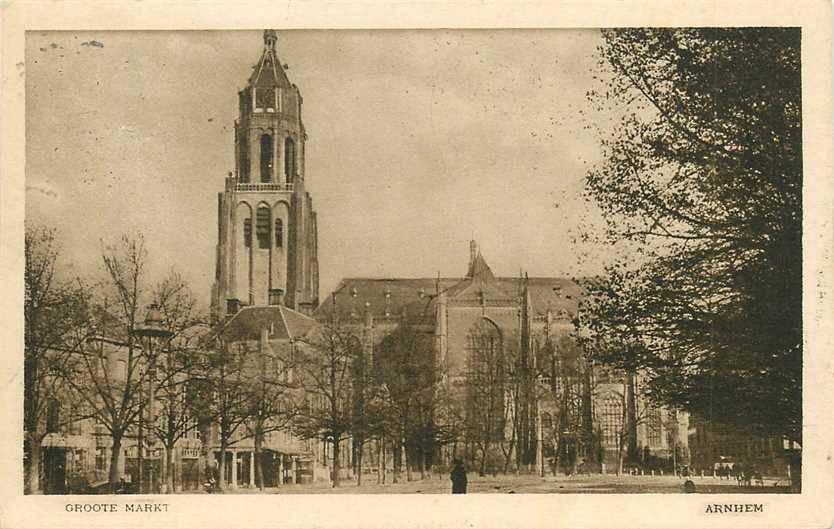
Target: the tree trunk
(397, 449)
(169, 469)
(335, 470)
(35, 463)
(408, 463)
(221, 471)
(484, 450)
(380, 461)
(257, 454)
(114, 476)
(358, 462)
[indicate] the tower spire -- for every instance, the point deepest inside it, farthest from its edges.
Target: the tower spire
(270, 38)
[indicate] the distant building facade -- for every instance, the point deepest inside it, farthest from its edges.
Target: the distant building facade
(566, 404)
(714, 445)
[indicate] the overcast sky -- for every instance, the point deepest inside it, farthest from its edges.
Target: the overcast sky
(418, 142)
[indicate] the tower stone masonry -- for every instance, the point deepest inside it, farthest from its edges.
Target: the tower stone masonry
(267, 234)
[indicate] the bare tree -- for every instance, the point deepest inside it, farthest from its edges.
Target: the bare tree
(108, 372)
(272, 395)
(54, 315)
(325, 365)
(177, 367)
(224, 392)
(485, 399)
(407, 367)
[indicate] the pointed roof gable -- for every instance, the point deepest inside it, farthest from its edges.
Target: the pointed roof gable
(268, 72)
(479, 270)
(479, 280)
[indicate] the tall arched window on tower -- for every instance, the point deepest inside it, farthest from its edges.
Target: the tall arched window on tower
(244, 158)
(289, 160)
(267, 152)
(279, 233)
(262, 227)
(247, 232)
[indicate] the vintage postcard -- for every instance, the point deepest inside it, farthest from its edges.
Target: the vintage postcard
(430, 265)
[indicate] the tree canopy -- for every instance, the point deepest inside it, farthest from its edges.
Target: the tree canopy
(702, 181)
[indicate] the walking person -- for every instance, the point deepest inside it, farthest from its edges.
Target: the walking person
(458, 477)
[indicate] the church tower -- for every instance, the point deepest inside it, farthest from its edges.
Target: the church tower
(267, 242)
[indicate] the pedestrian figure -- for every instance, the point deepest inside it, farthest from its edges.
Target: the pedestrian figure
(458, 477)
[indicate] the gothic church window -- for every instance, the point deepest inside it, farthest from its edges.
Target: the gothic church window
(654, 427)
(289, 160)
(262, 227)
(266, 158)
(612, 420)
(485, 380)
(279, 233)
(247, 232)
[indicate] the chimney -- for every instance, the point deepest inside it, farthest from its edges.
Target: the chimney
(473, 253)
(232, 306)
(276, 296)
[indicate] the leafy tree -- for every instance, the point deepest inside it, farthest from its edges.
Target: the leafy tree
(701, 182)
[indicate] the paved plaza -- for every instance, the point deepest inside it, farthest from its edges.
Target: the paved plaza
(527, 484)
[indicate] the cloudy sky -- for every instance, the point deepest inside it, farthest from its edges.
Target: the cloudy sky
(418, 142)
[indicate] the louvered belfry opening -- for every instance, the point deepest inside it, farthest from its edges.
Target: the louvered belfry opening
(262, 227)
(266, 158)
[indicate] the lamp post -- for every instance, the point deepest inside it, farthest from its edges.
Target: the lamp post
(151, 329)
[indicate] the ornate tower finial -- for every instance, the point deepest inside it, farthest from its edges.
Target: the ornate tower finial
(270, 38)
(473, 252)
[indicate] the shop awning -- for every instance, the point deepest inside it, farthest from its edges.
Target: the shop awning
(57, 440)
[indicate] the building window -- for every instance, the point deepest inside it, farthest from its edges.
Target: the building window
(289, 159)
(612, 420)
(262, 227)
(266, 158)
(247, 232)
(244, 158)
(485, 379)
(654, 427)
(279, 233)
(265, 98)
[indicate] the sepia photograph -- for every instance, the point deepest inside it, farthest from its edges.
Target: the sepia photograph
(413, 261)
